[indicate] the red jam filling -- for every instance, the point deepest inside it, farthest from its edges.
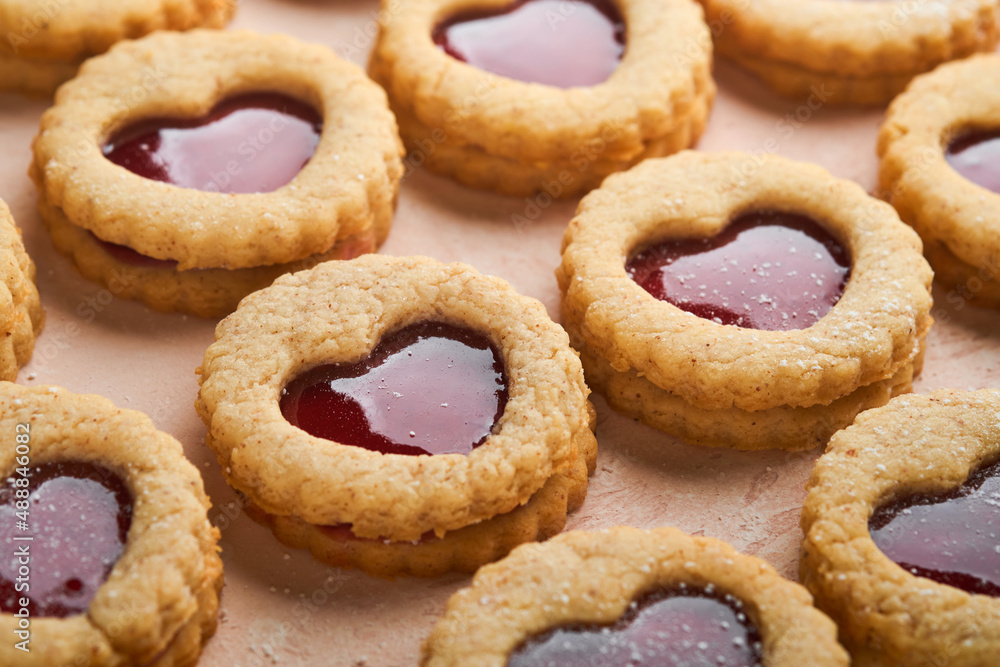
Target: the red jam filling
(251, 143)
(680, 626)
(952, 538)
(765, 270)
(77, 516)
(561, 43)
(430, 388)
(127, 255)
(976, 156)
(353, 246)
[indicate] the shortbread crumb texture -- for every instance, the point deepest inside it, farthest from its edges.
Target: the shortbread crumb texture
(888, 617)
(338, 311)
(21, 314)
(591, 577)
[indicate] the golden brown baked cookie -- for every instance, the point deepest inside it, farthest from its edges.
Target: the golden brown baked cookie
(588, 580)
(851, 52)
(202, 292)
(916, 446)
(921, 174)
(381, 507)
(334, 193)
(461, 550)
(144, 571)
(720, 384)
(33, 77)
(44, 44)
(519, 136)
(21, 315)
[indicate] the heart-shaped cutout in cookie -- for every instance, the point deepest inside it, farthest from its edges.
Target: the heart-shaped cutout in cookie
(250, 143)
(976, 156)
(63, 526)
(430, 388)
(561, 43)
(951, 538)
(766, 270)
(680, 626)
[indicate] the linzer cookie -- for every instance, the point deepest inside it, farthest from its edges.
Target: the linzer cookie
(743, 301)
(544, 95)
(940, 168)
(109, 558)
(901, 525)
(250, 156)
(399, 415)
(21, 314)
(629, 596)
(852, 51)
(43, 44)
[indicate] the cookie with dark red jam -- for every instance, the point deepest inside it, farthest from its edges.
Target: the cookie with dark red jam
(257, 156)
(381, 403)
(545, 96)
(43, 46)
(626, 596)
(901, 525)
(866, 52)
(940, 167)
(751, 310)
(950, 537)
(427, 418)
(22, 317)
(766, 270)
(104, 523)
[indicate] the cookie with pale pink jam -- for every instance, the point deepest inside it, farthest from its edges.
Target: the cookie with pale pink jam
(241, 157)
(901, 525)
(399, 415)
(626, 596)
(544, 96)
(743, 301)
(109, 558)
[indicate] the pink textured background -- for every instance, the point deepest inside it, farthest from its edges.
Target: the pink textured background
(280, 606)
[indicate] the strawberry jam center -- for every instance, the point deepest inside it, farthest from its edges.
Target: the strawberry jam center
(681, 626)
(765, 270)
(976, 156)
(430, 388)
(952, 538)
(561, 43)
(77, 517)
(251, 143)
